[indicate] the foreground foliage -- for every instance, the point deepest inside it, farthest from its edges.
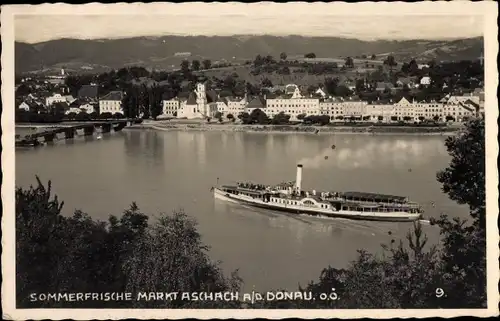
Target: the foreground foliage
(127, 254)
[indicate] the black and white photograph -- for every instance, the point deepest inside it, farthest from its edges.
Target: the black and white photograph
(241, 160)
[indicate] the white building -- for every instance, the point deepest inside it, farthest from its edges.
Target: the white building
(24, 106)
(171, 107)
(292, 106)
(338, 108)
(425, 81)
(460, 107)
(55, 98)
(380, 112)
(196, 105)
(111, 103)
(416, 110)
(88, 108)
(293, 90)
(75, 110)
(321, 92)
(236, 105)
(222, 106)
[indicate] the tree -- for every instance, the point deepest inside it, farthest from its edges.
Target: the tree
(218, 116)
(23, 90)
(207, 64)
(450, 118)
(195, 65)
(349, 62)
(374, 57)
(244, 117)
(342, 91)
(283, 56)
(230, 117)
(331, 85)
(407, 118)
(82, 116)
(464, 253)
(436, 118)
(281, 119)
(310, 55)
(123, 254)
(257, 116)
(390, 61)
(185, 66)
(266, 83)
(106, 115)
(422, 118)
(118, 115)
(94, 115)
(301, 116)
(71, 115)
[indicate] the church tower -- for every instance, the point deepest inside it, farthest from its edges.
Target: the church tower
(201, 98)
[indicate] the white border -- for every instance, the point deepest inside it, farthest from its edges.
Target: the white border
(487, 9)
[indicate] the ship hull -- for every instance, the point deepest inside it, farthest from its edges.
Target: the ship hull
(365, 216)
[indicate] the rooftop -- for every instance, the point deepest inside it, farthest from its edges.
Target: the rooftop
(88, 91)
(374, 196)
(113, 95)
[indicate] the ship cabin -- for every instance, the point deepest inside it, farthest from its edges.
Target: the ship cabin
(373, 202)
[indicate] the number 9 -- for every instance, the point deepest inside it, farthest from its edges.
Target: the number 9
(439, 292)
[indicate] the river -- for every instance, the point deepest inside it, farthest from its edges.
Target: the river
(165, 171)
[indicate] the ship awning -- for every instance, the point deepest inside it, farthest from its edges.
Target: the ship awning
(373, 196)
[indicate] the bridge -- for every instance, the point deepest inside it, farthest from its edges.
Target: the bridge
(69, 130)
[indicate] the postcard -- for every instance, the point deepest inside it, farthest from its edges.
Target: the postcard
(234, 160)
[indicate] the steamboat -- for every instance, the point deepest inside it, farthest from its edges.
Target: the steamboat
(290, 198)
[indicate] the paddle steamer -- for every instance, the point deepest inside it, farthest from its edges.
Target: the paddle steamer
(289, 197)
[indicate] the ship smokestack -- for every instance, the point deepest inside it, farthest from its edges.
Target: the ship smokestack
(298, 179)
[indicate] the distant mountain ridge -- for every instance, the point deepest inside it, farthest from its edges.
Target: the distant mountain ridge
(158, 52)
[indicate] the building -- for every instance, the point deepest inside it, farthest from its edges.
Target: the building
(24, 106)
(414, 111)
(111, 103)
(258, 103)
(171, 106)
(462, 107)
(55, 98)
(339, 108)
(321, 92)
(222, 106)
(406, 81)
(294, 91)
(88, 92)
(88, 108)
(236, 105)
(425, 81)
(199, 104)
(292, 106)
(380, 112)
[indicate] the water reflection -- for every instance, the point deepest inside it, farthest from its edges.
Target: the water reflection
(371, 154)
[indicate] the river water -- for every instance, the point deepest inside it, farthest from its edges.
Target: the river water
(165, 171)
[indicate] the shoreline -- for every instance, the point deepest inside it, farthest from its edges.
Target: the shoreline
(291, 129)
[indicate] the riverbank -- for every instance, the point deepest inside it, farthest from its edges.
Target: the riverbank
(162, 126)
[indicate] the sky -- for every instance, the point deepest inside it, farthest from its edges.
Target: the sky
(221, 19)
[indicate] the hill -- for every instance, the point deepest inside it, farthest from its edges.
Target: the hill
(159, 52)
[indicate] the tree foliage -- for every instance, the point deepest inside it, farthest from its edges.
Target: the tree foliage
(56, 253)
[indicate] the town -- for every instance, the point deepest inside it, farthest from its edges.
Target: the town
(361, 89)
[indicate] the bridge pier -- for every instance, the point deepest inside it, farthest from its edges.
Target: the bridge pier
(49, 137)
(69, 133)
(106, 128)
(89, 130)
(119, 127)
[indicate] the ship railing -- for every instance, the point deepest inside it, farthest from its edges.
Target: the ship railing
(389, 204)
